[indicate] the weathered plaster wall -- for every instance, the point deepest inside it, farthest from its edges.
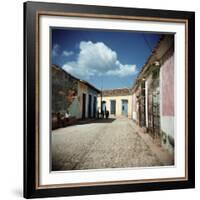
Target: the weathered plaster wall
(73, 109)
(168, 87)
(167, 101)
(61, 84)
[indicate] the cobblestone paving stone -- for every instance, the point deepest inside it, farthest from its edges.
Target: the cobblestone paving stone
(103, 144)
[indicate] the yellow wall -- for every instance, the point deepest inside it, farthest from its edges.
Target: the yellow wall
(118, 100)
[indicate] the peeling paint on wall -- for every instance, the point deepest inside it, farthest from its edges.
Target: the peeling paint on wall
(67, 95)
(64, 90)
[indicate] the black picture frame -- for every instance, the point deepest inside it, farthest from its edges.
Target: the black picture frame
(32, 11)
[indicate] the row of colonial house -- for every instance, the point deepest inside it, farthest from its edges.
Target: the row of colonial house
(153, 94)
(149, 102)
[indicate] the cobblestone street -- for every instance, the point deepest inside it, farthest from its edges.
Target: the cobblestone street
(112, 143)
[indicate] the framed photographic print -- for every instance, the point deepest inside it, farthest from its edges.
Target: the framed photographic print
(108, 99)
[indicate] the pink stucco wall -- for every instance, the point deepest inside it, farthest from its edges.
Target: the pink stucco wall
(168, 87)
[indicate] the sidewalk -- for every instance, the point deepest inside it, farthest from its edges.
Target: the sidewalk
(165, 157)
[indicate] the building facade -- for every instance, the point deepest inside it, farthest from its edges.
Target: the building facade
(72, 98)
(117, 101)
(153, 94)
(87, 96)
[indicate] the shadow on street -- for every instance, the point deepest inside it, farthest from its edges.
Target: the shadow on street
(109, 120)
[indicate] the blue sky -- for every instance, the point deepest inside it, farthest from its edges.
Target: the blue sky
(106, 59)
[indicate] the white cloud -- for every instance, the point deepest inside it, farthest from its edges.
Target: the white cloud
(55, 49)
(67, 53)
(97, 59)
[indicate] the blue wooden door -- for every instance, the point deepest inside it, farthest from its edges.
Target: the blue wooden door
(125, 107)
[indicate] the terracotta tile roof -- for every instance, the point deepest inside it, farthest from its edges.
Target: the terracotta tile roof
(116, 92)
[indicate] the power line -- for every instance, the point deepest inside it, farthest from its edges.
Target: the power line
(147, 42)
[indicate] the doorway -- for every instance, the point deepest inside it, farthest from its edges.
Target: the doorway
(142, 106)
(94, 107)
(125, 107)
(90, 106)
(154, 106)
(83, 106)
(112, 107)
